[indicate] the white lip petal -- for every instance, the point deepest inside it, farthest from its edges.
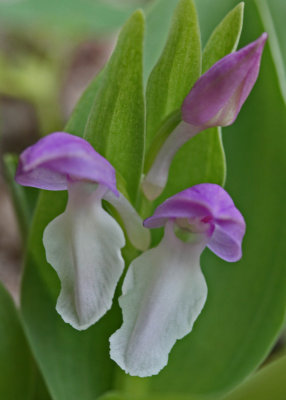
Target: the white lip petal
(163, 294)
(138, 235)
(83, 246)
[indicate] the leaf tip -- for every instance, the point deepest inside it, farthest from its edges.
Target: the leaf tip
(239, 8)
(138, 16)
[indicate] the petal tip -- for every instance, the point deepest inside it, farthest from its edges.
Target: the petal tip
(218, 95)
(151, 190)
(263, 37)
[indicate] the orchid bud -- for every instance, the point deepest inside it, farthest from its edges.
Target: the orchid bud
(215, 100)
(217, 97)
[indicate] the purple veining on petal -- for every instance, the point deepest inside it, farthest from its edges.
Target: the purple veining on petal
(217, 97)
(60, 157)
(210, 204)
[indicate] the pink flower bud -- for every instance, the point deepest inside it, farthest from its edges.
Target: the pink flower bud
(217, 97)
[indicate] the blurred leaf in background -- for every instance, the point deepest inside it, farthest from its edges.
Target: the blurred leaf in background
(19, 378)
(24, 199)
(268, 383)
(38, 40)
(124, 396)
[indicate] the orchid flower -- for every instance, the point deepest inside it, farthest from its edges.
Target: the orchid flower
(164, 290)
(215, 100)
(82, 244)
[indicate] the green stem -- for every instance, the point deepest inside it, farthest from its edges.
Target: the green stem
(167, 127)
(146, 207)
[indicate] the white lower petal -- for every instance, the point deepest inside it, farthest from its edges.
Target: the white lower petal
(83, 246)
(156, 179)
(138, 235)
(163, 293)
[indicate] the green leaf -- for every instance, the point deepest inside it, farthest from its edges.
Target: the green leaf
(225, 37)
(19, 378)
(246, 304)
(176, 71)
(268, 383)
(272, 17)
(202, 159)
(116, 124)
(74, 364)
(24, 199)
(83, 367)
(125, 396)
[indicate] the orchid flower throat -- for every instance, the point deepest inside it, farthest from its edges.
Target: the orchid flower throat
(193, 229)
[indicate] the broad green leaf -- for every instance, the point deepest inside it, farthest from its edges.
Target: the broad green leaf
(272, 17)
(202, 159)
(268, 383)
(246, 304)
(116, 124)
(19, 378)
(176, 71)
